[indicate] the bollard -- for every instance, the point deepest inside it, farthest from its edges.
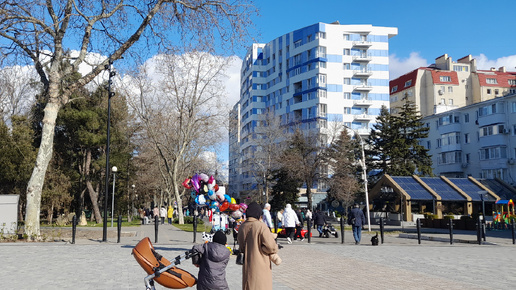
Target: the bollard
(483, 229)
(381, 229)
(513, 233)
(194, 228)
(308, 225)
(342, 230)
(450, 223)
(479, 229)
(418, 225)
(119, 227)
(156, 225)
(74, 228)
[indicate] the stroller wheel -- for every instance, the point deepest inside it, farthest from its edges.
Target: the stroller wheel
(336, 235)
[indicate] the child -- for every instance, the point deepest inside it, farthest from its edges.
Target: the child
(212, 263)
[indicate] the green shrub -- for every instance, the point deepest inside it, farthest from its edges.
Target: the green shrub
(189, 220)
(430, 216)
(448, 217)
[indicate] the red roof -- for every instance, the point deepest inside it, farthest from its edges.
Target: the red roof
(502, 78)
(436, 77)
(402, 80)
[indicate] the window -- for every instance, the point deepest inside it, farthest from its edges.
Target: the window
(466, 138)
(345, 36)
(320, 64)
(322, 110)
(347, 96)
(449, 157)
(321, 94)
(297, 43)
(439, 143)
(450, 89)
(309, 38)
(346, 66)
(491, 81)
(321, 80)
(321, 51)
(460, 68)
(445, 79)
(297, 59)
(443, 101)
(408, 83)
(488, 91)
(347, 81)
(347, 51)
(347, 110)
(496, 92)
(450, 138)
(394, 89)
(468, 157)
(428, 145)
(320, 35)
(493, 153)
(466, 118)
(512, 82)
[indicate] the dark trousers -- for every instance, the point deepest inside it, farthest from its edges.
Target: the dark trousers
(298, 232)
(290, 232)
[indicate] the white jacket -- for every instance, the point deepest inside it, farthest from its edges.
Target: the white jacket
(267, 219)
(290, 219)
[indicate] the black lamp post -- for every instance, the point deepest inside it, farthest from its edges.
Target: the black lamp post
(109, 67)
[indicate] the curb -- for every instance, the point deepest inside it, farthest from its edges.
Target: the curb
(438, 239)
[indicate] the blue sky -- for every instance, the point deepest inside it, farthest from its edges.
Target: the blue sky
(426, 29)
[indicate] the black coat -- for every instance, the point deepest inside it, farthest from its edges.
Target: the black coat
(358, 215)
(319, 219)
(300, 218)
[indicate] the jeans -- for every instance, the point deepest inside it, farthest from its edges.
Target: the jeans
(319, 229)
(357, 233)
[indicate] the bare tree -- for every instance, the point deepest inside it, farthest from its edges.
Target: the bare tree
(181, 112)
(44, 33)
(18, 89)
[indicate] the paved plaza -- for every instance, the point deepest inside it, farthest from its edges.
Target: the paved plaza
(325, 263)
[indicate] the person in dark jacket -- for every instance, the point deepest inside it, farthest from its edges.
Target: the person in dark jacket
(356, 219)
(213, 262)
(299, 227)
(320, 221)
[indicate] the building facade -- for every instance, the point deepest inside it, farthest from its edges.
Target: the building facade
(447, 85)
(477, 140)
(309, 79)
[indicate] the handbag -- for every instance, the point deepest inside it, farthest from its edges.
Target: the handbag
(240, 258)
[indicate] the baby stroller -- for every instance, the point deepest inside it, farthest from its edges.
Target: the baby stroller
(162, 270)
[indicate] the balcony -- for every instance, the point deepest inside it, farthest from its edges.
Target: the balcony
(363, 102)
(363, 117)
(362, 58)
(363, 87)
(493, 140)
(362, 43)
(362, 73)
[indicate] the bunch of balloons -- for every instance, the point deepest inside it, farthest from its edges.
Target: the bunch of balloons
(206, 193)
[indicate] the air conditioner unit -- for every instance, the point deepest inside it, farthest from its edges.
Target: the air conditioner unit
(511, 161)
(440, 92)
(506, 131)
(464, 165)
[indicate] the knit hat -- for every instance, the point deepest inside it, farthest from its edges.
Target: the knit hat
(220, 238)
(254, 210)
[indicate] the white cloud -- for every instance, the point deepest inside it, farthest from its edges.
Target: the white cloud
(400, 66)
(233, 80)
(483, 63)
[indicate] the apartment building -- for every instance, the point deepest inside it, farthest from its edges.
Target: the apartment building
(477, 140)
(309, 78)
(447, 85)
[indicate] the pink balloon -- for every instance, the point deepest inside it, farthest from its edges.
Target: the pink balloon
(243, 207)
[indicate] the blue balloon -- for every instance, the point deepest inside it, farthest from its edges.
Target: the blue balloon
(227, 197)
(193, 194)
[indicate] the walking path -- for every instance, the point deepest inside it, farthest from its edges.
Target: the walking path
(325, 263)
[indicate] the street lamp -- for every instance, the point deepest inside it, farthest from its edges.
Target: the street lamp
(114, 170)
(364, 176)
(109, 67)
(132, 200)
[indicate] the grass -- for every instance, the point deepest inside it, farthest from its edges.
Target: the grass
(135, 222)
(189, 227)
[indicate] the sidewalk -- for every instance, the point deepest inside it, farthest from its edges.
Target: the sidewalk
(325, 263)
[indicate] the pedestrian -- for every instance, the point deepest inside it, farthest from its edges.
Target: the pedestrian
(257, 243)
(320, 221)
(279, 217)
(155, 213)
(290, 221)
(308, 216)
(212, 262)
(299, 226)
(163, 214)
(356, 219)
(170, 214)
(266, 215)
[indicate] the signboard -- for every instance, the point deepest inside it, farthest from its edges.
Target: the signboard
(9, 214)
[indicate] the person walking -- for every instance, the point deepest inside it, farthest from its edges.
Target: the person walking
(155, 213)
(356, 219)
(290, 221)
(163, 214)
(170, 214)
(257, 243)
(299, 226)
(308, 217)
(279, 217)
(320, 221)
(266, 215)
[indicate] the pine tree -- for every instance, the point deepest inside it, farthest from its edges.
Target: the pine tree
(285, 190)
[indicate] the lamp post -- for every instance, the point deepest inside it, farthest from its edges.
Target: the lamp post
(364, 175)
(114, 170)
(132, 199)
(109, 67)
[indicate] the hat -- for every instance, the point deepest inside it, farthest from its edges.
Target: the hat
(288, 205)
(254, 210)
(220, 238)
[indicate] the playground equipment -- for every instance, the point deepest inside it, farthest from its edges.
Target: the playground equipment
(503, 212)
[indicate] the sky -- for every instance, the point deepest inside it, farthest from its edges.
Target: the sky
(426, 30)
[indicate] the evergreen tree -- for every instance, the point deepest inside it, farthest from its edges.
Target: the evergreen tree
(394, 142)
(285, 190)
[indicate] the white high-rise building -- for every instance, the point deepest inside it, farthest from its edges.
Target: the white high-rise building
(310, 77)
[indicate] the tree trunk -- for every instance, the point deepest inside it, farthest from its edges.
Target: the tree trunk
(93, 194)
(51, 214)
(37, 179)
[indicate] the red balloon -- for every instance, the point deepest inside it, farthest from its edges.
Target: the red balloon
(216, 188)
(234, 207)
(224, 206)
(187, 183)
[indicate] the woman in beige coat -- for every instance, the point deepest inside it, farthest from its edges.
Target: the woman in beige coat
(257, 243)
